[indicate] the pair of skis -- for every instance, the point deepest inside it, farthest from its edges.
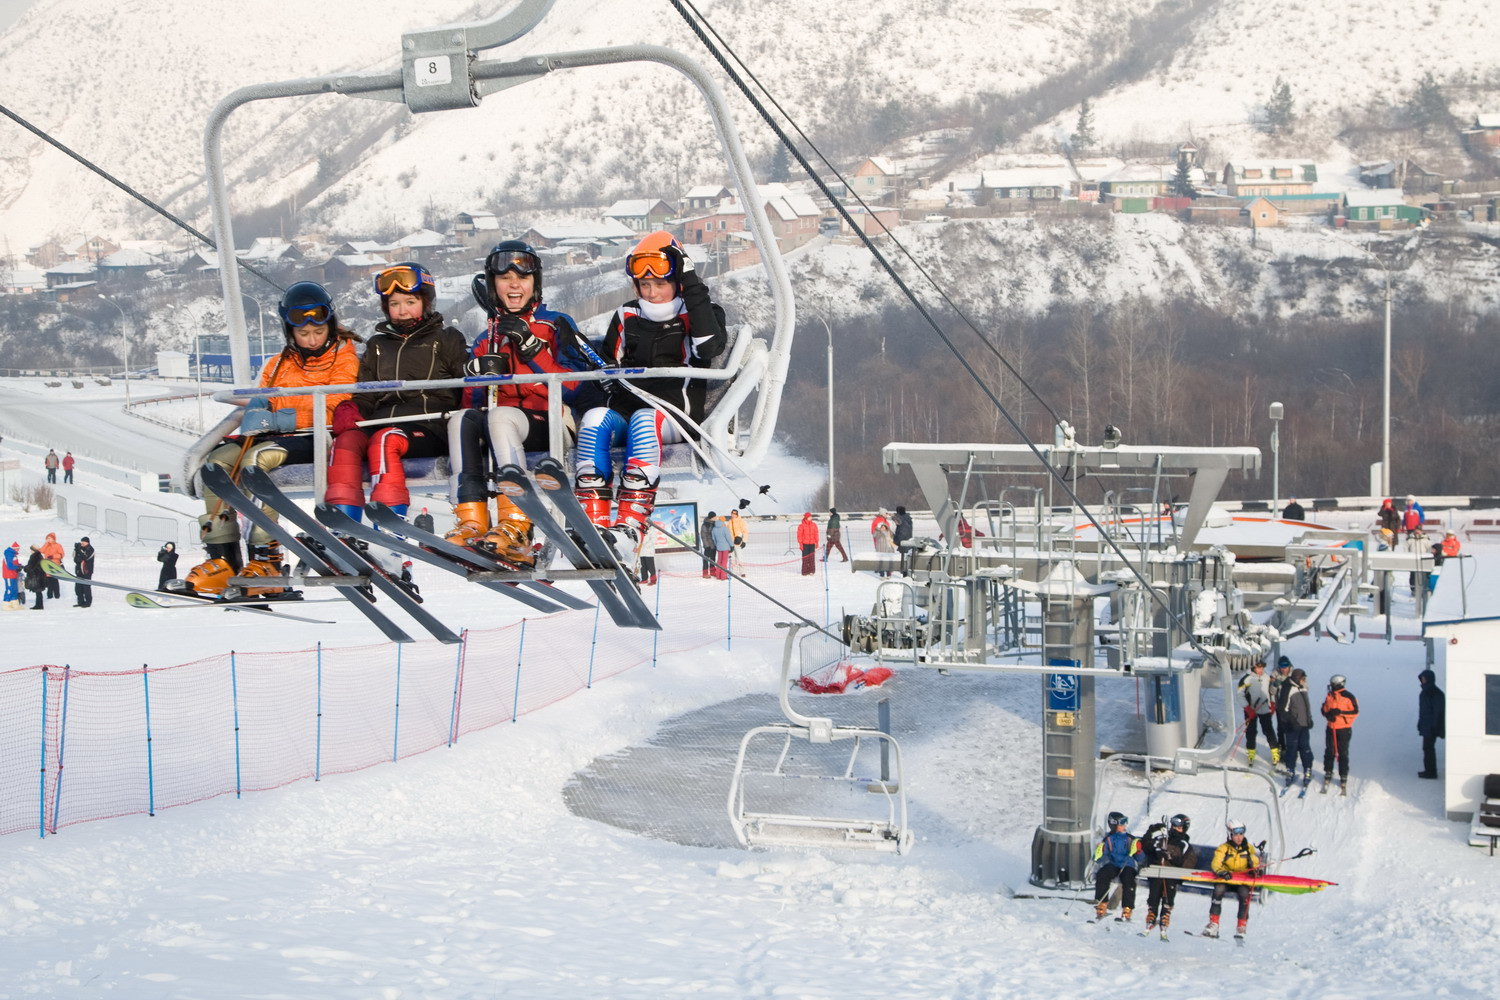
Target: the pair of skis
(165, 601)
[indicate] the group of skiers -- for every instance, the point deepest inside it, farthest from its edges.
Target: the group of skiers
(1279, 705)
(34, 577)
(671, 322)
(1121, 855)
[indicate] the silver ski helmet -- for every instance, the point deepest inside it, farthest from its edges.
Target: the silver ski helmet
(1336, 682)
(1180, 822)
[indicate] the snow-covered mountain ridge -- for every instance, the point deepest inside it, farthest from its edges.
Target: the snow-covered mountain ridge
(130, 85)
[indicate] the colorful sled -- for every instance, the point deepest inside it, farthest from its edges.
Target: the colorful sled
(1294, 885)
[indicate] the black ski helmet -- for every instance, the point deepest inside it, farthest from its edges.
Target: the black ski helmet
(410, 277)
(1180, 821)
(1118, 819)
(518, 256)
(299, 306)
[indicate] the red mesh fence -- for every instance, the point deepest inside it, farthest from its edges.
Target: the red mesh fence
(80, 745)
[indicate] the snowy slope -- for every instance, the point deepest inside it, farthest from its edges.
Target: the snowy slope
(461, 873)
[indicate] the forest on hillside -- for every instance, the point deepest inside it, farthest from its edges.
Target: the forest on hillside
(1170, 373)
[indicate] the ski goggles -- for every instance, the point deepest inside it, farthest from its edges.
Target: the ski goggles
(650, 264)
(519, 261)
(1237, 831)
(401, 278)
(300, 316)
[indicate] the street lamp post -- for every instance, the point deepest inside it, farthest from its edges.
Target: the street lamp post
(260, 314)
(829, 330)
(1276, 411)
(1385, 383)
(125, 336)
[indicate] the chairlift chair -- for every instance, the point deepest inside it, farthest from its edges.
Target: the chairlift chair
(882, 827)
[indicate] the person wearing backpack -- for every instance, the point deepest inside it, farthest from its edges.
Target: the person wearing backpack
(1340, 708)
(1236, 856)
(1166, 844)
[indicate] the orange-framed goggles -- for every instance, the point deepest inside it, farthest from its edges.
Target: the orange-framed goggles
(649, 264)
(301, 316)
(402, 278)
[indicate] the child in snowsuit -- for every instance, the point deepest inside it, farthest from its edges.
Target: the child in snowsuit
(1236, 856)
(1166, 844)
(672, 323)
(1120, 855)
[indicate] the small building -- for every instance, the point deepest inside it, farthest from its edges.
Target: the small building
(642, 215)
(1262, 213)
(127, 267)
(704, 198)
(1483, 137)
(1383, 208)
(1039, 183)
(547, 235)
(469, 226)
(875, 177)
(1269, 178)
(71, 272)
(1145, 181)
(22, 279)
(1462, 638)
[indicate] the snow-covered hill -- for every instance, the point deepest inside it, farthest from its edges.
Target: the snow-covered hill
(130, 85)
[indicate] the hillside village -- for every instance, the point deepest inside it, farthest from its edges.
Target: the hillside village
(883, 191)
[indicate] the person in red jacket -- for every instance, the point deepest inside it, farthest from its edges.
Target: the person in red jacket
(807, 537)
(1340, 708)
(67, 467)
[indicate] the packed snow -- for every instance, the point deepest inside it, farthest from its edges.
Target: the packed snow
(462, 872)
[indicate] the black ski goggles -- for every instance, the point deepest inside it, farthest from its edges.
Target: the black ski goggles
(519, 261)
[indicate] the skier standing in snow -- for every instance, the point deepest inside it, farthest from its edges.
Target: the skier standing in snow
(11, 572)
(167, 556)
(903, 529)
(36, 577)
(706, 543)
(1296, 731)
(522, 336)
(1281, 690)
(274, 431)
(1166, 844)
(1340, 708)
(83, 568)
(67, 466)
(1256, 690)
(411, 344)
(1118, 855)
(1431, 724)
(1236, 856)
(671, 323)
(648, 572)
(1388, 523)
(807, 541)
(882, 536)
(50, 463)
(833, 535)
(739, 535)
(52, 550)
(723, 543)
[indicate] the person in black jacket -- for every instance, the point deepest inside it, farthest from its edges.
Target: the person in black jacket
(1431, 709)
(83, 568)
(412, 344)
(706, 543)
(903, 527)
(1166, 844)
(1293, 511)
(423, 521)
(36, 579)
(167, 556)
(672, 323)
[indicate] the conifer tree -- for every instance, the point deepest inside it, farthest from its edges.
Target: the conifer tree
(1182, 181)
(1083, 133)
(1280, 112)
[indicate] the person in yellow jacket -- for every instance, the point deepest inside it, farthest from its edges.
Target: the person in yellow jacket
(1236, 856)
(739, 535)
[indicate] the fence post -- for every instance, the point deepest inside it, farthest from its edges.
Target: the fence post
(62, 737)
(589, 682)
(458, 673)
(41, 781)
(150, 763)
(396, 729)
(515, 705)
(318, 737)
(827, 605)
(656, 633)
(234, 695)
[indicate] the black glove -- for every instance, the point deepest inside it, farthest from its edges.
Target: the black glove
(681, 263)
(488, 364)
(518, 332)
(1224, 874)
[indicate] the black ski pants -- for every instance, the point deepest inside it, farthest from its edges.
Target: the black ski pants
(1107, 875)
(1242, 891)
(1336, 745)
(1161, 895)
(1266, 726)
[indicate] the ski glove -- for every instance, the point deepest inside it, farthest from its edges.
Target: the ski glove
(681, 262)
(480, 289)
(518, 332)
(487, 364)
(345, 416)
(1224, 874)
(262, 420)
